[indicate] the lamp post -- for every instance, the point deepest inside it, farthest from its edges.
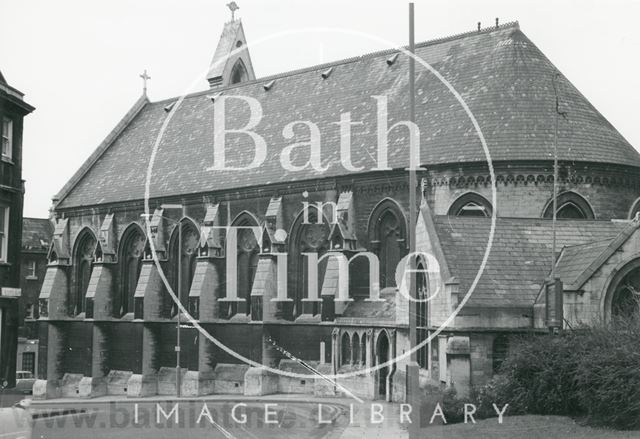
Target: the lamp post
(177, 346)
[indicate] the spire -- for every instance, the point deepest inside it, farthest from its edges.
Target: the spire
(231, 62)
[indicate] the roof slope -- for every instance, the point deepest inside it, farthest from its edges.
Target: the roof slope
(519, 260)
(576, 264)
(502, 76)
(36, 233)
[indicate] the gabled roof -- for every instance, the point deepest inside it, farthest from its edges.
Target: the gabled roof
(578, 263)
(520, 258)
(36, 234)
(503, 77)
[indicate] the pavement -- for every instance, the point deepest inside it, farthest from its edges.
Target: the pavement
(341, 418)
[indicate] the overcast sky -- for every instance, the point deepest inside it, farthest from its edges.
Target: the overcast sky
(78, 61)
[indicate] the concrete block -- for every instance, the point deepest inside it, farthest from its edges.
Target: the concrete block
(69, 387)
(167, 380)
(322, 387)
(142, 385)
(229, 378)
(288, 384)
(259, 381)
(46, 389)
(197, 383)
(118, 382)
(90, 387)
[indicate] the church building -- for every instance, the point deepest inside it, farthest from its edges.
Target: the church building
(254, 304)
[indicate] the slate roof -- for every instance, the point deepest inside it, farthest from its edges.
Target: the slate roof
(502, 76)
(36, 234)
(520, 256)
(576, 264)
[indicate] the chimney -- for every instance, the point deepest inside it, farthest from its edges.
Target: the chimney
(497, 22)
(479, 26)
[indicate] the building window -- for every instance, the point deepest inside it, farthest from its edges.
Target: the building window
(422, 310)
(471, 204)
(635, 209)
(238, 73)
(7, 137)
(246, 258)
(183, 259)
(345, 351)
(4, 232)
(355, 346)
(569, 206)
(625, 303)
(29, 362)
(387, 236)
(28, 313)
(31, 270)
(309, 237)
(133, 243)
(83, 262)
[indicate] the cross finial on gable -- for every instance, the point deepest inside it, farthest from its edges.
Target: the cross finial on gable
(144, 77)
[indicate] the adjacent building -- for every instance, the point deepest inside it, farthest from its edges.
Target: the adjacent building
(13, 108)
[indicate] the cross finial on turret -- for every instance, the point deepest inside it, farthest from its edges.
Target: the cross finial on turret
(144, 77)
(233, 6)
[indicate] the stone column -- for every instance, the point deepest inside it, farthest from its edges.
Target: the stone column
(96, 384)
(51, 387)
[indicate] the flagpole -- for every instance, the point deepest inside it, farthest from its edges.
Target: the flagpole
(413, 382)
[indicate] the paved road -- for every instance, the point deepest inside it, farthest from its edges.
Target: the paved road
(149, 420)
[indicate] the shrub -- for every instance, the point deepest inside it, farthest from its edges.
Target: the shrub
(592, 372)
(608, 376)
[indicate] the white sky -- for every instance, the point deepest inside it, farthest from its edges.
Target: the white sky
(78, 61)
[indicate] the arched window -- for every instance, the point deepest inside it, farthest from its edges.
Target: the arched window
(624, 293)
(355, 343)
(306, 237)
(83, 262)
(471, 204)
(183, 259)
(569, 206)
(635, 209)
(345, 351)
(387, 235)
(363, 350)
(238, 72)
(422, 290)
(130, 260)
(500, 351)
(247, 257)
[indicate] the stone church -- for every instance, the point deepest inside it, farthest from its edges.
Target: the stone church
(108, 324)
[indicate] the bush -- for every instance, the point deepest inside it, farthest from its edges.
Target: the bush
(589, 372)
(608, 376)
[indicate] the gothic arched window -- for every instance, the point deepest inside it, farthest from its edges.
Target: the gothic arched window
(624, 293)
(471, 204)
(422, 309)
(83, 262)
(183, 259)
(247, 257)
(363, 349)
(569, 206)
(635, 209)
(306, 237)
(355, 346)
(345, 351)
(238, 72)
(130, 260)
(387, 236)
